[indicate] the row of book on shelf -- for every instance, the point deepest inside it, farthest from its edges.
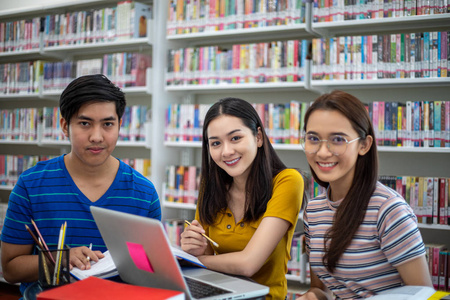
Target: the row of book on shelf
(438, 259)
(383, 56)
(23, 124)
(283, 122)
(409, 124)
(125, 69)
(186, 17)
(12, 166)
(216, 15)
(181, 184)
(276, 61)
(341, 10)
(126, 20)
(429, 197)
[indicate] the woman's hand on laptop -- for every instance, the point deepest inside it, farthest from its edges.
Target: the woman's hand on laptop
(192, 240)
(80, 257)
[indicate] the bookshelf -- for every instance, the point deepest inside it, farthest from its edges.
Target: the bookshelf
(393, 161)
(136, 95)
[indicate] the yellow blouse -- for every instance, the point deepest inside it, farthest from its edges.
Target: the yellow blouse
(285, 203)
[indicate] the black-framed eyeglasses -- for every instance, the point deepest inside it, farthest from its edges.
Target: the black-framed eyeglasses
(336, 144)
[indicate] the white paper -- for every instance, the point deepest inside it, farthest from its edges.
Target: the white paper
(104, 268)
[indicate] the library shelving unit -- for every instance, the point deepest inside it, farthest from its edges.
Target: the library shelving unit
(393, 160)
(141, 95)
(49, 98)
(144, 95)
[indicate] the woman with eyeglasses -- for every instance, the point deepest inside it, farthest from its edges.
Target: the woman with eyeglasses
(248, 200)
(361, 236)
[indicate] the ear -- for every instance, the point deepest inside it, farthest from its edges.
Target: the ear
(259, 137)
(120, 123)
(365, 145)
(64, 126)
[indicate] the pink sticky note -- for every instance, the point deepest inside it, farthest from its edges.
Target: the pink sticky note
(139, 257)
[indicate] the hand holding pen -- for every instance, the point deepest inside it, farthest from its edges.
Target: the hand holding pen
(194, 240)
(204, 235)
(81, 257)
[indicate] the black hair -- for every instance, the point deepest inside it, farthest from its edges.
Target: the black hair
(355, 203)
(90, 88)
(215, 182)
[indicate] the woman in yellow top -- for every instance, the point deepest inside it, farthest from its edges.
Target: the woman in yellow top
(248, 200)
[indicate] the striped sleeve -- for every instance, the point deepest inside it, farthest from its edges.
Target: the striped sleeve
(400, 237)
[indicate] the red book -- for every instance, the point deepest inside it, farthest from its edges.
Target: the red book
(443, 271)
(443, 195)
(96, 288)
(435, 264)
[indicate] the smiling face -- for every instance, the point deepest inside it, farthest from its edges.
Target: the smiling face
(337, 170)
(93, 133)
(232, 145)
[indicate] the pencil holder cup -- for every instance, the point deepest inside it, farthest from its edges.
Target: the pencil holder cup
(54, 269)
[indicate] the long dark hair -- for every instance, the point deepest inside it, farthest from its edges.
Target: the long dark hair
(350, 213)
(215, 182)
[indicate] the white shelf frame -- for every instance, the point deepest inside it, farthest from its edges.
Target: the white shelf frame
(296, 147)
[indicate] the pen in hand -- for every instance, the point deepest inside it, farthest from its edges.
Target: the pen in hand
(207, 237)
(90, 248)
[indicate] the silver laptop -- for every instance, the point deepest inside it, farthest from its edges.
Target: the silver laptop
(142, 254)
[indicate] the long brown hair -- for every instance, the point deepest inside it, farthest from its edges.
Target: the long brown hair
(350, 213)
(215, 182)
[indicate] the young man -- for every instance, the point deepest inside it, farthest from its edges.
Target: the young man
(63, 189)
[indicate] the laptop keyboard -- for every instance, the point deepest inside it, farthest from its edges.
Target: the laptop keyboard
(200, 289)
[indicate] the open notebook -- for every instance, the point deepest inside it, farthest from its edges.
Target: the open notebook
(105, 267)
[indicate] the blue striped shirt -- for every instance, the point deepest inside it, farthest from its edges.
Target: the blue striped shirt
(47, 194)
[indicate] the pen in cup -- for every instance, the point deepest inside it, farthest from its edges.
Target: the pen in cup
(207, 237)
(90, 248)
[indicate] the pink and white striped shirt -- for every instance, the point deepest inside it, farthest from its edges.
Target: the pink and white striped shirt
(388, 237)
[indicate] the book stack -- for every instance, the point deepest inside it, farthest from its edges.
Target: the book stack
(96, 288)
